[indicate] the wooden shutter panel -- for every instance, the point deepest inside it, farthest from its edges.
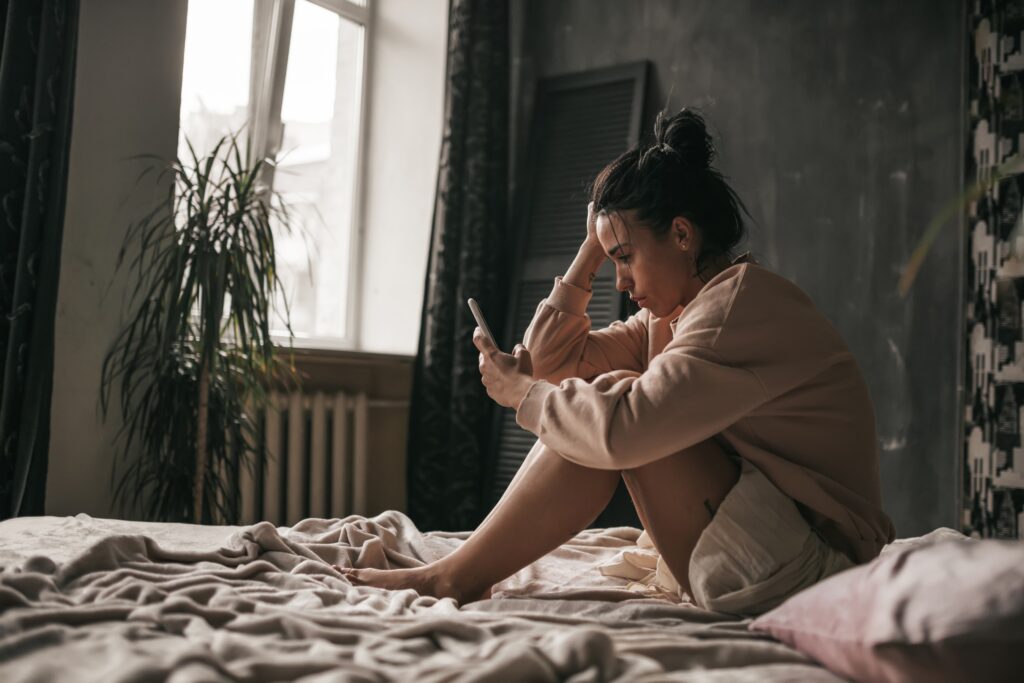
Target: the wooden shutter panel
(581, 122)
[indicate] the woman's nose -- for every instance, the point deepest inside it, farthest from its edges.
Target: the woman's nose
(623, 284)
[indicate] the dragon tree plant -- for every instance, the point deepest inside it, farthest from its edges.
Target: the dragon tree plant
(196, 360)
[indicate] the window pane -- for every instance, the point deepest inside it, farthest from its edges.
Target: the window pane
(316, 168)
(215, 78)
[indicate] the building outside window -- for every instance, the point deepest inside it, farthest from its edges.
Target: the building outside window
(292, 73)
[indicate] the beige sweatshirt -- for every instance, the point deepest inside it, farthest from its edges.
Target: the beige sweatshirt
(750, 361)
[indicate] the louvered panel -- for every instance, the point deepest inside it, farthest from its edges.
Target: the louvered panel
(530, 294)
(581, 123)
(605, 304)
(515, 444)
(581, 131)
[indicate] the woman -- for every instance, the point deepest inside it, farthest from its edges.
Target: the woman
(729, 405)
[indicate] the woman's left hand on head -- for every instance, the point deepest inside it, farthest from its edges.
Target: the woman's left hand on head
(507, 376)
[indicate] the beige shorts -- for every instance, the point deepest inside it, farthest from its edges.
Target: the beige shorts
(758, 550)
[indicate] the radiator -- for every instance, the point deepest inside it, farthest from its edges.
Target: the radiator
(317, 448)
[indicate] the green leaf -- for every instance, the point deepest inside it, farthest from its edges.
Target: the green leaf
(951, 210)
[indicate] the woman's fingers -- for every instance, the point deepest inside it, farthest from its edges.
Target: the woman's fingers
(497, 369)
(481, 342)
(522, 354)
(591, 222)
(484, 367)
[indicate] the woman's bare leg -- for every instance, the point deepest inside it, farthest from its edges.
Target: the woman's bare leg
(550, 500)
(530, 457)
(675, 498)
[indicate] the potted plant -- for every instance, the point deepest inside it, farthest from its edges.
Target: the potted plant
(196, 360)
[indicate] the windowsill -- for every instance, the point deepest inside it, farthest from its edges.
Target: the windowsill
(321, 347)
(341, 355)
(382, 376)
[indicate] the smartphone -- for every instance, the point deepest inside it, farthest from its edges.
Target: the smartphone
(481, 323)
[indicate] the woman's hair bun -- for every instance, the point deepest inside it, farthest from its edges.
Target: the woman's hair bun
(685, 133)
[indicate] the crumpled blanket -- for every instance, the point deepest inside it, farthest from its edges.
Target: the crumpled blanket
(264, 604)
(646, 571)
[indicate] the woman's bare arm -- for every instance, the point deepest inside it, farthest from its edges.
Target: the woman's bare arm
(559, 336)
(589, 258)
(584, 267)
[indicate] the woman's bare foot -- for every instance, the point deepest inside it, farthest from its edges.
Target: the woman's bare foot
(424, 580)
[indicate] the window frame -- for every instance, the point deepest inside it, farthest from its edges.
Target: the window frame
(272, 26)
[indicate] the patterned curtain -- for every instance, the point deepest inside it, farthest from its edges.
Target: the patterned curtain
(993, 462)
(37, 52)
(451, 414)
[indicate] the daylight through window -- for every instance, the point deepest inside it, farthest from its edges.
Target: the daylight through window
(291, 72)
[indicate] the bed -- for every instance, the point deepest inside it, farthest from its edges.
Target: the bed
(91, 599)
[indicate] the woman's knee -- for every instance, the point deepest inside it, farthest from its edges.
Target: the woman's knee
(703, 467)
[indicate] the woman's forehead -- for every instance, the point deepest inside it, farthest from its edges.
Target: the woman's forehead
(615, 228)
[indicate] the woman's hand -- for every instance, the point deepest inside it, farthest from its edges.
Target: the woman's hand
(507, 376)
(592, 226)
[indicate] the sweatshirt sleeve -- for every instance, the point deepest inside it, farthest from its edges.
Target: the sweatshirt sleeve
(562, 345)
(626, 419)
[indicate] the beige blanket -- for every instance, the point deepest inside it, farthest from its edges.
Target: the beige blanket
(85, 599)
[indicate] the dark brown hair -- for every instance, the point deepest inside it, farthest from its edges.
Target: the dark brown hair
(673, 177)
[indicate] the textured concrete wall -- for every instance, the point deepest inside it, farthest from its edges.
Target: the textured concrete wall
(841, 126)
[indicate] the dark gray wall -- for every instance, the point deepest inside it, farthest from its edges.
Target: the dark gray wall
(840, 124)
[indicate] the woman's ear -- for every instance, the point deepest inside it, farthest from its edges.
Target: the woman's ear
(682, 233)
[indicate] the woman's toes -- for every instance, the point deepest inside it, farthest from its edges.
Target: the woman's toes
(350, 573)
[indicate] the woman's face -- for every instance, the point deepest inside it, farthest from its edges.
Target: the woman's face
(657, 271)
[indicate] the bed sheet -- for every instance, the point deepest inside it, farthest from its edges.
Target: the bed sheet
(84, 598)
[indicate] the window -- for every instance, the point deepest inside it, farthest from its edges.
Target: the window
(292, 72)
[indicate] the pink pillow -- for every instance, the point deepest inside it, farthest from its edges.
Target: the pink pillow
(929, 609)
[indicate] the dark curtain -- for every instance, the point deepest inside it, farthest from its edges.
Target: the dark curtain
(37, 57)
(451, 414)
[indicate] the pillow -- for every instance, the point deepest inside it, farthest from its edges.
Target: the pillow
(939, 608)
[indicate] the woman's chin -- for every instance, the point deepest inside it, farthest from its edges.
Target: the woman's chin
(662, 312)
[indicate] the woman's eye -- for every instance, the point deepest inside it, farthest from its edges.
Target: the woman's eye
(624, 259)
